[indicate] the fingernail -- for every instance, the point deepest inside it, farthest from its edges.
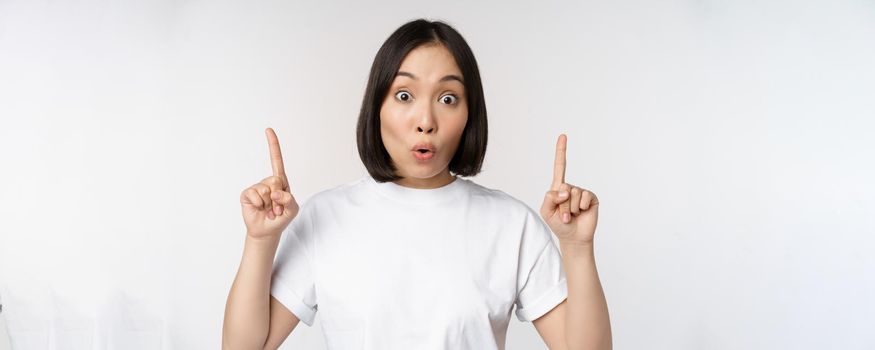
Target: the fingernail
(563, 194)
(566, 217)
(277, 210)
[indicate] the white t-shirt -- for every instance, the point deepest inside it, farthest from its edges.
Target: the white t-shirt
(393, 267)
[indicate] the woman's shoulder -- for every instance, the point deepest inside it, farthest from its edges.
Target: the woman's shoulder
(343, 191)
(357, 191)
(495, 196)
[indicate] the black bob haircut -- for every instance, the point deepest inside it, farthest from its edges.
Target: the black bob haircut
(468, 158)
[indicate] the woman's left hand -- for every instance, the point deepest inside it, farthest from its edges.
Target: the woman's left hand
(570, 211)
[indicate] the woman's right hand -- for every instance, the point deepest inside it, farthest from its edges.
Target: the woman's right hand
(269, 206)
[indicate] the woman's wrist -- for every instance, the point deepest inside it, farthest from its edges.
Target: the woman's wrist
(262, 241)
(576, 249)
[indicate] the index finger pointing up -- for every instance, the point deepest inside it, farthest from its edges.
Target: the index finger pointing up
(276, 156)
(559, 162)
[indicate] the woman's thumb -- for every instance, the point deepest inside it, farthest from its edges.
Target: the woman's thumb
(282, 197)
(553, 199)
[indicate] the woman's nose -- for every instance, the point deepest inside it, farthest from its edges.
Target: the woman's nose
(426, 122)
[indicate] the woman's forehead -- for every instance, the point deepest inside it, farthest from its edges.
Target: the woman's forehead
(430, 63)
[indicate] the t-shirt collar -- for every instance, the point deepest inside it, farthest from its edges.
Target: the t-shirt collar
(419, 195)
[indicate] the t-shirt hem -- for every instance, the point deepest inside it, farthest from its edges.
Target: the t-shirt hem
(544, 303)
(292, 301)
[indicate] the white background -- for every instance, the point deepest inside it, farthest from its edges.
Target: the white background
(730, 143)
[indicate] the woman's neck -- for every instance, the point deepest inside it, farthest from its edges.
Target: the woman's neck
(436, 181)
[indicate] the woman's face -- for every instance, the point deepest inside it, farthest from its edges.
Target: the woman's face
(423, 116)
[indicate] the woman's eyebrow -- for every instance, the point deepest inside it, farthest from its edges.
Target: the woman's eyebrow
(446, 78)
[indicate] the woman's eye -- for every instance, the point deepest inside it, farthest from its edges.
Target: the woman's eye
(449, 99)
(402, 96)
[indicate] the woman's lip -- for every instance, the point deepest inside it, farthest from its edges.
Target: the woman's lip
(423, 145)
(423, 156)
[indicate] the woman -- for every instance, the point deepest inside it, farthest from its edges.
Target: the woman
(413, 256)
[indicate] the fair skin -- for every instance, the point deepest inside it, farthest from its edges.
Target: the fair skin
(571, 212)
(253, 318)
(424, 105)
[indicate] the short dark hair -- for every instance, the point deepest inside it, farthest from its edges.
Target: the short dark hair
(468, 158)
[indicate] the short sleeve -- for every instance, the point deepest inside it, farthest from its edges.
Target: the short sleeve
(541, 283)
(292, 281)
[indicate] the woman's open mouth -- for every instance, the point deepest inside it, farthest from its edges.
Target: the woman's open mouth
(423, 154)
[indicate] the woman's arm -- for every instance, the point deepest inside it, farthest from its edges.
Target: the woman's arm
(587, 309)
(252, 318)
(247, 311)
(582, 321)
